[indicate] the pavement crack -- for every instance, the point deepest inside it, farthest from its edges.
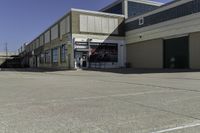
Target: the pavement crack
(150, 85)
(159, 109)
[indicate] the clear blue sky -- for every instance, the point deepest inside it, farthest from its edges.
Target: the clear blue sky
(22, 20)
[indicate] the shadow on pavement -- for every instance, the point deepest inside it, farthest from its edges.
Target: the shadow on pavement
(39, 70)
(118, 70)
(143, 71)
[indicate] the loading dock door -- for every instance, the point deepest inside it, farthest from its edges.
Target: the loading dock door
(176, 53)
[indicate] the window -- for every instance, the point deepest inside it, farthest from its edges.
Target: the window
(135, 9)
(141, 21)
(47, 37)
(41, 40)
(63, 53)
(47, 56)
(54, 32)
(104, 52)
(42, 59)
(65, 26)
(55, 55)
(37, 43)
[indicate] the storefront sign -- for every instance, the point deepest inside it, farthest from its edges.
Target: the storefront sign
(81, 45)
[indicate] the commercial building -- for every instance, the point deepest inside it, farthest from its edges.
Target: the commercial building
(167, 37)
(94, 38)
(142, 33)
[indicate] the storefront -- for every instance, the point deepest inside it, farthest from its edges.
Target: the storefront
(96, 55)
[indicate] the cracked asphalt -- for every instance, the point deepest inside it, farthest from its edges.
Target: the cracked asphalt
(99, 102)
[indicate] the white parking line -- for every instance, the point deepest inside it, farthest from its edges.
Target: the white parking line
(123, 95)
(178, 128)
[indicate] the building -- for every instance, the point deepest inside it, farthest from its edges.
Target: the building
(80, 39)
(167, 37)
(142, 33)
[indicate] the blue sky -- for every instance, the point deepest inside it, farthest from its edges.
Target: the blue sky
(22, 20)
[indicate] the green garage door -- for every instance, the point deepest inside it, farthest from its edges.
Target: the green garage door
(176, 53)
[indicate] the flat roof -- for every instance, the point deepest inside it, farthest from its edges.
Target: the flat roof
(97, 12)
(149, 2)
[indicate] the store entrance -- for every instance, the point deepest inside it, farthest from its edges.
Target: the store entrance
(176, 53)
(81, 59)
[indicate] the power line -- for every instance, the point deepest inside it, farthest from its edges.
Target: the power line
(6, 49)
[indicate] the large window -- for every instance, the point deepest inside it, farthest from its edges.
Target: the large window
(47, 56)
(104, 52)
(63, 53)
(55, 55)
(42, 58)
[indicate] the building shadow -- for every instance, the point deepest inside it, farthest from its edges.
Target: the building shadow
(142, 71)
(13, 61)
(32, 70)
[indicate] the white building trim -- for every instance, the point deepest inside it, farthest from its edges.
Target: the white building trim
(95, 12)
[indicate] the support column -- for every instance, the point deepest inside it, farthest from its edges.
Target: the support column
(125, 8)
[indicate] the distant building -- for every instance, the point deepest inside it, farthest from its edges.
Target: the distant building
(5, 56)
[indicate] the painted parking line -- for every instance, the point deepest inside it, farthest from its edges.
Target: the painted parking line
(178, 128)
(123, 95)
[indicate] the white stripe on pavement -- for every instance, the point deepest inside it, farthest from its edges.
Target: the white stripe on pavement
(178, 128)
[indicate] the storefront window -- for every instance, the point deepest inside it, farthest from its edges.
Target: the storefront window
(63, 53)
(42, 59)
(104, 52)
(55, 55)
(47, 56)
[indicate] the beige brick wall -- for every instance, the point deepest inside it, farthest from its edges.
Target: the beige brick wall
(148, 54)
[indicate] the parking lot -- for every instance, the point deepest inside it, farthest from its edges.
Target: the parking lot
(99, 102)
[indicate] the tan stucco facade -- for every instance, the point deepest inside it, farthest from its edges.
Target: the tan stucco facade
(75, 22)
(194, 45)
(147, 54)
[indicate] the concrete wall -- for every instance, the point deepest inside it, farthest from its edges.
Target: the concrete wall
(147, 54)
(194, 50)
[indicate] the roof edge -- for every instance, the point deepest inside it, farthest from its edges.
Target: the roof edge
(149, 2)
(96, 12)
